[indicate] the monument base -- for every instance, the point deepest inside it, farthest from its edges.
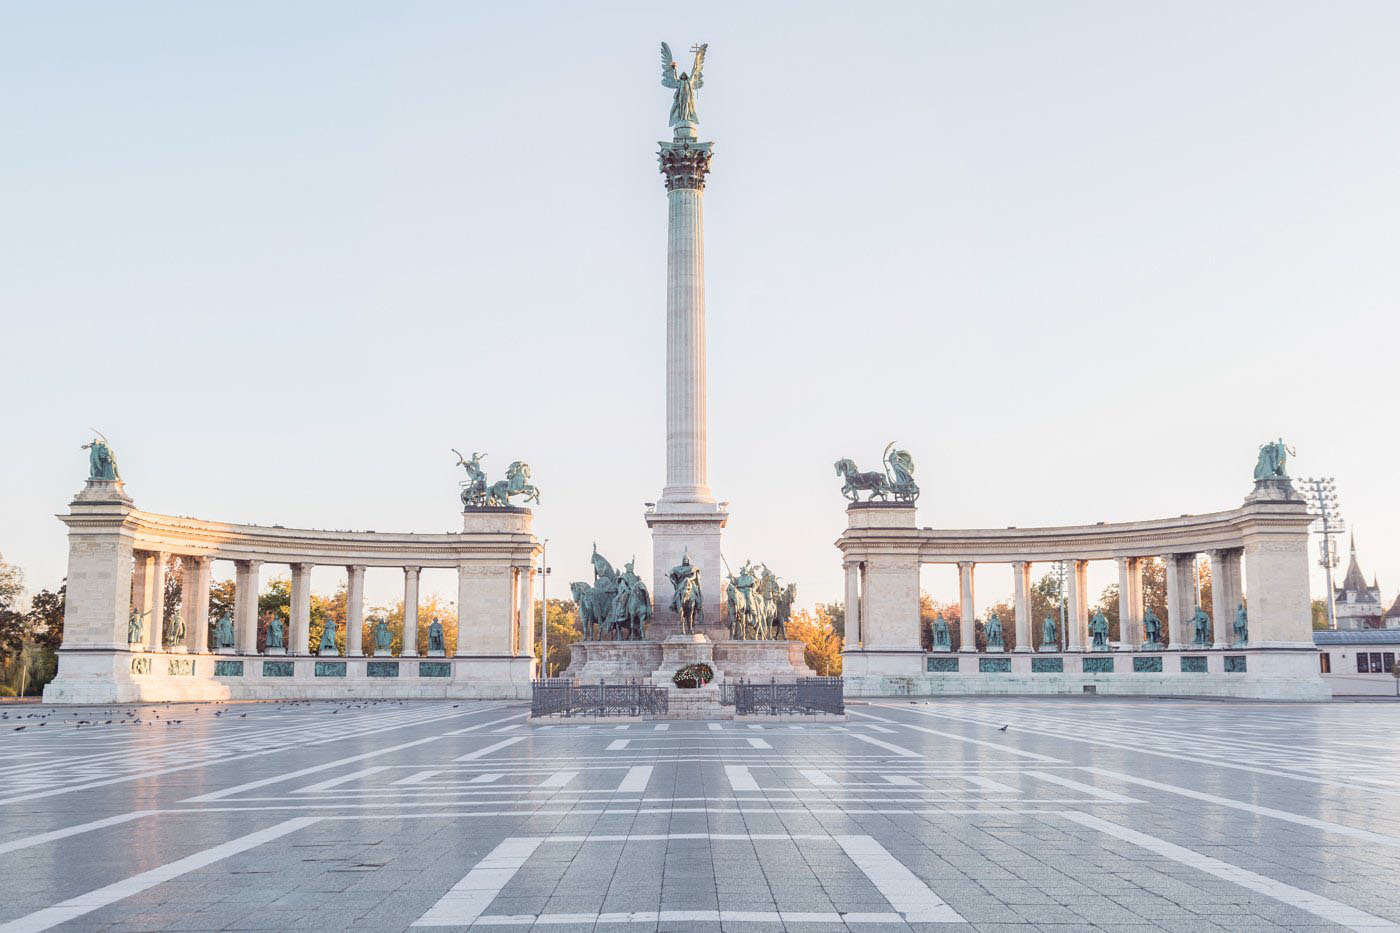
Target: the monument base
(656, 661)
(678, 530)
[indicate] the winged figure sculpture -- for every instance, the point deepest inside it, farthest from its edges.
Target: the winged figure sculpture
(686, 85)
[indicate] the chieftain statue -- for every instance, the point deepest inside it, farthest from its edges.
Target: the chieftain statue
(617, 606)
(223, 631)
(1049, 638)
(174, 631)
(1152, 630)
(477, 493)
(995, 638)
(1241, 627)
(1200, 628)
(1273, 461)
(102, 463)
(436, 644)
(897, 480)
(1098, 632)
(941, 636)
(687, 601)
(759, 605)
(686, 85)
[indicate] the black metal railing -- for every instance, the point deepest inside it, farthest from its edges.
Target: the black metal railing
(562, 697)
(806, 695)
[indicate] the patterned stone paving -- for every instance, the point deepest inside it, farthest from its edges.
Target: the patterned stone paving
(1088, 813)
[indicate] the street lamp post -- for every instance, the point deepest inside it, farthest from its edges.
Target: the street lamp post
(1321, 493)
(544, 608)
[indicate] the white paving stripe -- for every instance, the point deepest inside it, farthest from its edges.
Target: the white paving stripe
(487, 778)
(819, 778)
(889, 746)
(617, 745)
(759, 743)
(86, 903)
(689, 916)
(1315, 904)
(483, 752)
(660, 728)
(1391, 842)
(953, 735)
(636, 780)
(739, 778)
(343, 779)
(901, 780)
(559, 779)
(900, 886)
(469, 898)
(14, 845)
(417, 778)
(291, 775)
(1079, 786)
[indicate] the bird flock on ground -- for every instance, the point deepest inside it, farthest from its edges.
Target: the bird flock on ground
(150, 714)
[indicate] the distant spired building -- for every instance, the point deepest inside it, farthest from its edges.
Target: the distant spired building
(1358, 603)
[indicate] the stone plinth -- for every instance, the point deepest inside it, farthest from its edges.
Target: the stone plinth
(593, 661)
(679, 650)
(677, 530)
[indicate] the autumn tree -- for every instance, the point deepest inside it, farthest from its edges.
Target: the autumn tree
(821, 646)
(835, 615)
(564, 630)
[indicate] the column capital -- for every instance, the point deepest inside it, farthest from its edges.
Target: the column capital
(412, 571)
(251, 563)
(302, 566)
(685, 164)
(966, 563)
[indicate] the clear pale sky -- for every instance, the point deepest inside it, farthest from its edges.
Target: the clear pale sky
(1080, 259)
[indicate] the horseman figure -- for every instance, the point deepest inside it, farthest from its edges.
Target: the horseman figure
(745, 603)
(631, 605)
(687, 601)
(474, 486)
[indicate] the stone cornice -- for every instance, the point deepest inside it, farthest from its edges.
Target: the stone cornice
(1186, 534)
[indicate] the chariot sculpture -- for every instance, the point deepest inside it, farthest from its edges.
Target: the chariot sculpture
(477, 493)
(897, 480)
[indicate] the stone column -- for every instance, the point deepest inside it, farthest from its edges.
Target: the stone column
(1181, 597)
(155, 579)
(245, 605)
(853, 633)
(1022, 572)
(1130, 602)
(1077, 617)
(967, 624)
(141, 594)
(410, 612)
(1222, 609)
(525, 624)
(194, 602)
(299, 632)
(354, 610)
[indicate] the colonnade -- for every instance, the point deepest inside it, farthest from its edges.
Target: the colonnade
(1227, 593)
(149, 570)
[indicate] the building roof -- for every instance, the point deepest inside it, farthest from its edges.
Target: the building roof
(1355, 581)
(1371, 636)
(1394, 611)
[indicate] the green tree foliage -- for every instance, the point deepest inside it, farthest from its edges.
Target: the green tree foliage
(1319, 615)
(835, 615)
(46, 617)
(929, 608)
(12, 621)
(564, 630)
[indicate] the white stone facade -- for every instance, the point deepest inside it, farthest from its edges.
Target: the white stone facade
(116, 560)
(1259, 556)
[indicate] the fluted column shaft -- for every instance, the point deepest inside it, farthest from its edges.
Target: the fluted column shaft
(853, 633)
(354, 610)
(410, 612)
(245, 605)
(299, 632)
(1022, 572)
(967, 624)
(686, 478)
(1077, 623)
(194, 602)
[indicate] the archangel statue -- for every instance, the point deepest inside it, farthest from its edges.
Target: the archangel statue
(1273, 461)
(686, 85)
(102, 463)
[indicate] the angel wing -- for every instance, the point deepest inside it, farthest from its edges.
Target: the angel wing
(695, 80)
(669, 78)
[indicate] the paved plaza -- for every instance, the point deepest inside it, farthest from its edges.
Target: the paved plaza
(1085, 813)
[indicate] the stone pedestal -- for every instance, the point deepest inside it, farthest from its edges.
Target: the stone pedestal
(679, 650)
(276, 651)
(677, 530)
(436, 653)
(594, 661)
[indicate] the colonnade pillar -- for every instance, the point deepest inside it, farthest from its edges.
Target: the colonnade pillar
(155, 623)
(245, 605)
(968, 607)
(354, 610)
(853, 634)
(141, 593)
(1225, 593)
(299, 631)
(1077, 618)
(410, 612)
(1022, 572)
(1130, 601)
(525, 618)
(194, 601)
(1181, 597)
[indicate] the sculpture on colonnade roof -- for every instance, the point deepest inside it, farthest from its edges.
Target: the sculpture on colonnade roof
(1273, 460)
(897, 480)
(102, 463)
(477, 493)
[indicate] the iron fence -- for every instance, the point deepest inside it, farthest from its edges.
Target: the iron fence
(807, 695)
(562, 697)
